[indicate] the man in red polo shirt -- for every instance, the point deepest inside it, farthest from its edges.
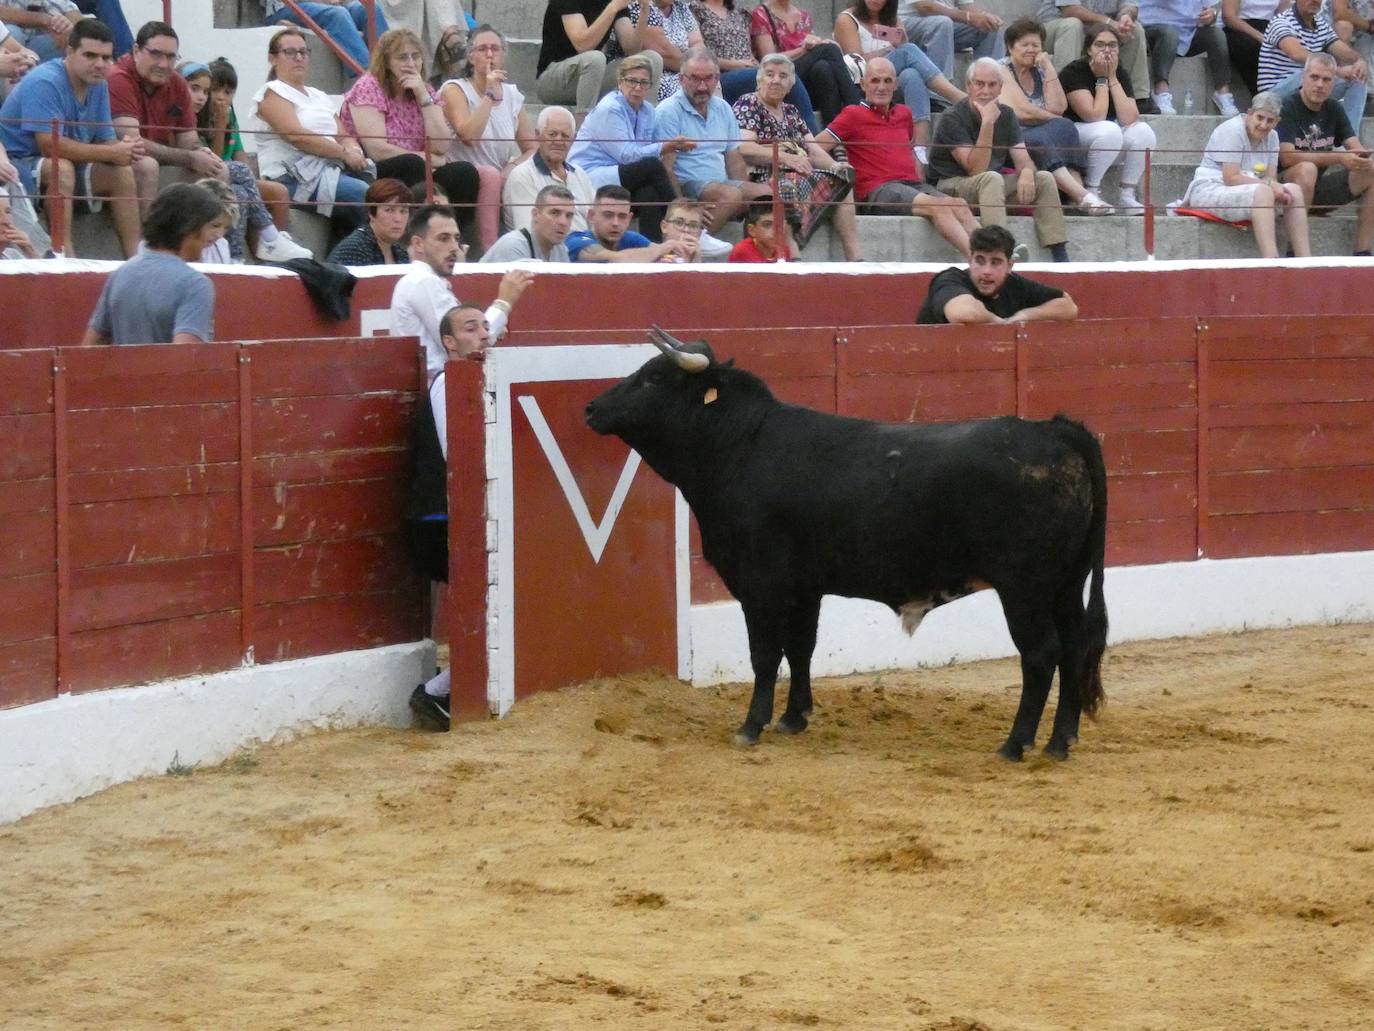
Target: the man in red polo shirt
(148, 99)
(877, 138)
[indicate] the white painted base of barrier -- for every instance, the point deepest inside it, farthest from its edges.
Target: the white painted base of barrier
(75, 745)
(1177, 599)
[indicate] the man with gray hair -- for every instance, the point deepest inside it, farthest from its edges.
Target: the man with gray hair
(550, 222)
(1302, 32)
(547, 166)
(974, 140)
(1321, 152)
(712, 170)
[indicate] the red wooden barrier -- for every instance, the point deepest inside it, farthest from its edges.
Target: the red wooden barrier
(171, 511)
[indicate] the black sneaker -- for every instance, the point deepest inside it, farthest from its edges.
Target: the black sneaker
(433, 712)
(1147, 106)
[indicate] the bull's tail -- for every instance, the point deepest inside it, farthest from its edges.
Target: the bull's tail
(1092, 559)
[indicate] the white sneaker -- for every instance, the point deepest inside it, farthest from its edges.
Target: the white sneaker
(1225, 103)
(1092, 204)
(714, 247)
(1129, 204)
(281, 250)
(1165, 103)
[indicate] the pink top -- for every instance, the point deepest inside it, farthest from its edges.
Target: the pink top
(759, 25)
(405, 121)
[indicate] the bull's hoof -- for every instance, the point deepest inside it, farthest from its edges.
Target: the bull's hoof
(791, 724)
(1011, 751)
(747, 736)
(1057, 749)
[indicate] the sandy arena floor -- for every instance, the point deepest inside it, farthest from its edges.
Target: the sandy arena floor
(606, 857)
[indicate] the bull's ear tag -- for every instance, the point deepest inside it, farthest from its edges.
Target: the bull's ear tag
(711, 395)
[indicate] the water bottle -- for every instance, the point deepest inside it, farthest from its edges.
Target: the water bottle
(1188, 101)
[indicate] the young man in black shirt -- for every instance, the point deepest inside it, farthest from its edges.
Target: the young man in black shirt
(989, 291)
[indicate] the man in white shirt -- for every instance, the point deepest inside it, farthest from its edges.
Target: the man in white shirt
(547, 166)
(424, 295)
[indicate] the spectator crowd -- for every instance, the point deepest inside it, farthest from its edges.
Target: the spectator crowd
(663, 121)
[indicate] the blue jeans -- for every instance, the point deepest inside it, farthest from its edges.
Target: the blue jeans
(349, 212)
(914, 70)
(40, 41)
(939, 37)
(346, 24)
(1349, 93)
(739, 81)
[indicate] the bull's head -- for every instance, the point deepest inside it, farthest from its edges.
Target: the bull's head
(654, 407)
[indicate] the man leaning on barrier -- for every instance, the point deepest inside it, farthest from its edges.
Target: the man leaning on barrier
(988, 291)
(86, 157)
(550, 222)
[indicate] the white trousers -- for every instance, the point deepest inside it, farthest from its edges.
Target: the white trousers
(1108, 143)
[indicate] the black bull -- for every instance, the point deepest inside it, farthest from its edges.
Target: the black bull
(794, 504)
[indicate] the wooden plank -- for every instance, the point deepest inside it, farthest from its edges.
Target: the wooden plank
(1147, 541)
(134, 438)
(1290, 447)
(28, 607)
(287, 426)
(357, 365)
(1292, 533)
(319, 626)
(141, 653)
(1294, 381)
(157, 482)
(360, 564)
(1115, 343)
(1347, 413)
(887, 350)
(1083, 392)
(154, 529)
(1293, 490)
(1130, 451)
(707, 586)
(1157, 496)
(27, 376)
(1156, 420)
(1282, 337)
(123, 377)
(28, 672)
(109, 596)
(391, 461)
(294, 513)
(26, 496)
(27, 449)
(28, 543)
(932, 397)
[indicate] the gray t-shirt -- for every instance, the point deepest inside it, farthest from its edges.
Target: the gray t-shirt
(518, 246)
(958, 127)
(152, 297)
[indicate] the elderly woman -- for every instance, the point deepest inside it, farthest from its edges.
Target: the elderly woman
(491, 128)
(1104, 111)
(869, 28)
(379, 241)
(777, 27)
(616, 145)
(1030, 87)
(809, 177)
(1238, 178)
(725, 30)
(303, 145)
(395, 113)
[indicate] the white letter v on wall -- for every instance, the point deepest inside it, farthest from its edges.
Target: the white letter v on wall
(595, 534)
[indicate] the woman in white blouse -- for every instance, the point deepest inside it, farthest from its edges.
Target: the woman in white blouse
(306, 147)
(491, 128)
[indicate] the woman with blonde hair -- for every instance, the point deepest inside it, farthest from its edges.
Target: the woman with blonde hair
(396, 116)
(491, 128)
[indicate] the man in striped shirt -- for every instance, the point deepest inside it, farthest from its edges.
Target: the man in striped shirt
(1295, 35)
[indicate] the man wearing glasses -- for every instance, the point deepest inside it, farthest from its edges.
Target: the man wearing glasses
(547, 166)
(86, 157)
(150, 101)
(712, 171)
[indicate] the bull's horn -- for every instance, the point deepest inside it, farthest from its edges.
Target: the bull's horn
(688, 361)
